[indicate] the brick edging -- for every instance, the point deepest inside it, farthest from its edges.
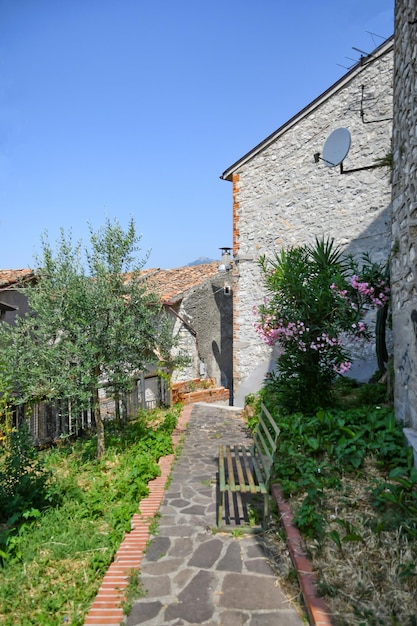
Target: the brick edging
(318, 612)
(106, 609)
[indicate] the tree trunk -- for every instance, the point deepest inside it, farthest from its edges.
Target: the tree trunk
(117, 406)
(99, 423)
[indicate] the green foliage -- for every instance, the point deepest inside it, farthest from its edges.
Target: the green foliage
(86, 327)
(6, 398)
(396, 500)
(308, 517)
(133, 591)
(315, 451)
(58, 555)
(24, 484)
(315, 297)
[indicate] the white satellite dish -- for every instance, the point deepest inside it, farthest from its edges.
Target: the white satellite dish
(336, 147)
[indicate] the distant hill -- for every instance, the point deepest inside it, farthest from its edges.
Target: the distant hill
(201, 261)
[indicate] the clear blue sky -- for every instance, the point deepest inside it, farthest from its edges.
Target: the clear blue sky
(134, 108)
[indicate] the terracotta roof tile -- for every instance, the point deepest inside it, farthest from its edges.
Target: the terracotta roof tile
(168, 284)
(172, 284)
(11, 277)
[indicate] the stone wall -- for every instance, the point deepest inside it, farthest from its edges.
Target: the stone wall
(203, 324)
(404, 219)
(282, 197)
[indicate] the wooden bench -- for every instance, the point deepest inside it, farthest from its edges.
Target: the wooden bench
(247, 469)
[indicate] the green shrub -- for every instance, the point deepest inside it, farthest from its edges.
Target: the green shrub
(316, 298)
(23, 476)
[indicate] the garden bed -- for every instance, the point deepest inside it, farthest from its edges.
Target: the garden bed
(365, 565)
(198, 390)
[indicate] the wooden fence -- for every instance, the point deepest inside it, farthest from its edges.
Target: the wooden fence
(51, 421)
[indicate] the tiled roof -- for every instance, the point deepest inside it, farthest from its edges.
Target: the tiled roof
(11, 277)
(170, 285)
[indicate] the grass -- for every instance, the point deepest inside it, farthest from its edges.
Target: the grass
(352, 486)
(366, 568)
(133, 591)
(55, 558)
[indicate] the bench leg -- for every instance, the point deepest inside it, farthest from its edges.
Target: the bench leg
(220, 511)
(266, 510)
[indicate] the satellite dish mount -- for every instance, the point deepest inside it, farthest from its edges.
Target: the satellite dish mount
(335, 150)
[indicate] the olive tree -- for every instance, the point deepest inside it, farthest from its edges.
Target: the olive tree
(93, 321)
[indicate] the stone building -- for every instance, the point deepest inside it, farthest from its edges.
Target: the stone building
(285, 194)
(12, 301)
(404, 219)
(199, 300)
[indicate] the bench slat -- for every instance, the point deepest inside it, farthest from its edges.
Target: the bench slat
(271, 421)
(264, 435)
(240, 457)
(246, 460)
(222, 475)
(230, 470)
(261, 447)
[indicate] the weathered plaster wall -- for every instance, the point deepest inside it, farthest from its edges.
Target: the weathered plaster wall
(281, 197)
(404, 222)
(16, 299)
(207, 336)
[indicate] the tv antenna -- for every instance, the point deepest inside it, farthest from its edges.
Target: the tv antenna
(363, 54)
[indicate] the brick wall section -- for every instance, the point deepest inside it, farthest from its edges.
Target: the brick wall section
(219, 394)
(210, 392)
(235, 192)
(282, 198)
(236, 299)
(404, 221)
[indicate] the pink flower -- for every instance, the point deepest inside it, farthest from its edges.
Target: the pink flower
(342, 368)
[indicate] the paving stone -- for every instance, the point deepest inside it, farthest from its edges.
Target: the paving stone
(207, 554)
(142, 612)
(197, 576)
(164, 566)
(195, 602)
(282, 618)
(171, 494)
(157, 548)
(234, 618)
(204, 497)
(250, 592)
(156, 586)
(177, 531)
(183, 577)
(196, 509)
(166, 510)
(260, 566)
(181, 547)
(255, 550)
(232, 560)
(179, 503)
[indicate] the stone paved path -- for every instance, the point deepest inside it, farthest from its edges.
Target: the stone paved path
(191, 575)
